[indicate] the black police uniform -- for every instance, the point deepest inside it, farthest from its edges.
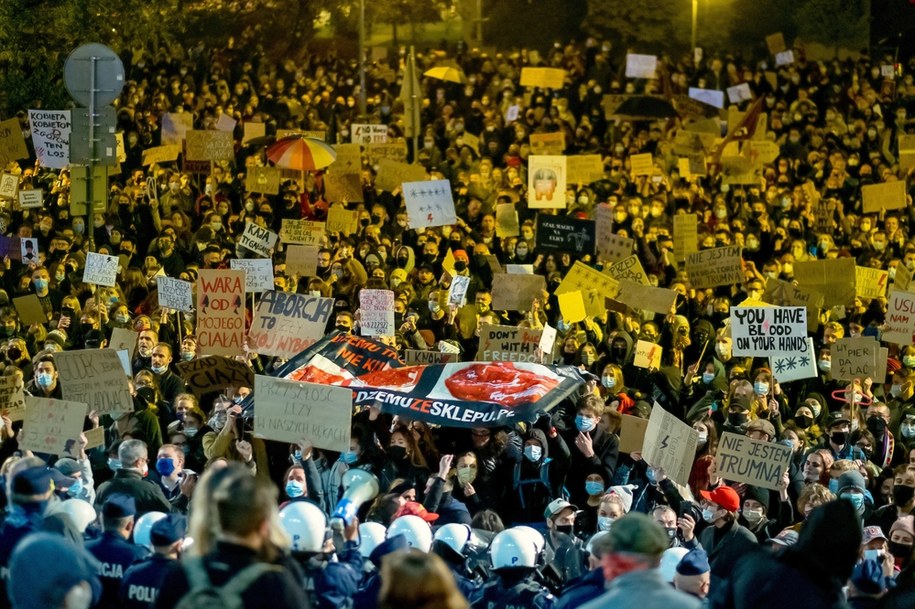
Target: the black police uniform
(142, 581)
(115, 555)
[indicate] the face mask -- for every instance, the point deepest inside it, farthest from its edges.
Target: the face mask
(218, 421)
(908, 361)
(533, 452)
(398, 453)
(608, 381)
(907, 430)
(738, 419)
(40, 284)
(187, 356)
(723, 350)
(14, 354)
(565, 529)
(703, 438)
(900, 550)
(294, 489)
(466, 474)
(708, 515)
(349, 457)
(856, 499)
(708, 377)
(521, 251)
(159, 369)
(753, 516)
(165, 466)
(650, 476)
(604, 523)
(45, 380)
(76, 488)
(190, 432)
(902, 494)
(593, 487)
(434, 307)
(803, 421)
(761, 388)
(584, 424)
(824, 365)
(114, 464)
(839, 437)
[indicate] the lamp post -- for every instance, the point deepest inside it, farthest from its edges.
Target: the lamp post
(362, 109)
(692, 39)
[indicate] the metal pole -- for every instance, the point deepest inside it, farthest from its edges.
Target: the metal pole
(480, 22)
(362, 109)
(692, 43)
(414, 108)
(90, 207)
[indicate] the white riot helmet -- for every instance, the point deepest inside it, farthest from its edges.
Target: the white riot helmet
(81, 513)
(371, 535)
(143, 528)
(305, 524)
(669, 561)
(415, 529)
(534, 535)
(513, 548)
(455, 536)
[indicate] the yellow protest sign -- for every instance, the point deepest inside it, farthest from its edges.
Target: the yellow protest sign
(209, 146)
(834, 279)
(686, 235)
(584, 168)
(871, 283)
(642, 164)
(544, 78)
(594, 286)
(572, 307)
(548, 143)
(647, 355)
(888, 195)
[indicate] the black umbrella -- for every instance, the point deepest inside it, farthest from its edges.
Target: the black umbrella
(645, 107)
(260, 142)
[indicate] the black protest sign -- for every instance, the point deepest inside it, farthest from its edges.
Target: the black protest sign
(214, 372)
(561, 234)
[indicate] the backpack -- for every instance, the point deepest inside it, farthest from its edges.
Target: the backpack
(204, 595)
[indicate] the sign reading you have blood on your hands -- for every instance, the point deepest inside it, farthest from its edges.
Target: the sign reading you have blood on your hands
(762, 331)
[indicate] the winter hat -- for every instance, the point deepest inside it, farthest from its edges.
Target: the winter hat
(851, 480)
(63, 566)
(624, 493)
(759, 494)
(906, 524)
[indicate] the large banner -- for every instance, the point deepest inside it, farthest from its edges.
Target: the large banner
(338, 358)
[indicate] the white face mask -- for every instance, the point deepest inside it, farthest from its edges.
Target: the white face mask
(79, 597)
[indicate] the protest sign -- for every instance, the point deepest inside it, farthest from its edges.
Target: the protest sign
(686, 235)
(712, 97)
(342, 220)
(714, 267)
(11, 246)
(572, 306)
(547, 339)
(175, 294)
(645, 297)
(209, 146)
(761, 151)
(647, 355)
(124, 339)
(739, 93)
(343, 187)
(564, 234)
(339, 357)
(642, 164)
(221, 312)
(884, 196)
(258, 239)
(30, 310)
(376, 312)
(548, 143)
(253, 130)
(160, 154)
(417, 357)
(787, 367)
(12, 144)
(28, 251)
(469, 139)
(12, 398)
(669, 444)
(546, 182)
(543, 78)
(834, 279)
(9, 186)
(302, 232)
(302, 260)
(507, 221)
(393, 174)
(368, 134)
(226, 123)
(429, 203)
(900, 318)
(349, 159)
(258, 273)
(395, 151)
(52, 426)
(175, 126)
(785, 58)
(776, 43)
(780, 292)
(289, 411)
(641, 66)
(903, 278)
(854, 358)
(760, 463)
(510, 344)
(613, 248)
(95, 437)
(51, 137)
(32, 198)
(263, 180)
(458, 290)
(594, 286)
(100, 269)
(906, 151)
(94, 377)
(628, 269)
(632, 433)
(285, 324)
(871, 283)
(516, 292)
(762, 331)
(214, 372)
(584, 168)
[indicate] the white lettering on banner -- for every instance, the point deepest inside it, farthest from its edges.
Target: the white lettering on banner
(445, 410)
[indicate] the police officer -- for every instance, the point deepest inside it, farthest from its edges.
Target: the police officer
(449, 543)
(113, 550)
(514, 555)
(141, 582)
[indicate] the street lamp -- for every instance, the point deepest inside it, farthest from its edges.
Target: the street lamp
(692, 39)
(362, 103)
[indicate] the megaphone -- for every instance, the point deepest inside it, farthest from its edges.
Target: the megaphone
(359, 486)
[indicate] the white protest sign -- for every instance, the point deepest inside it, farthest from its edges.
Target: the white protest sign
(258, 273)
(369, 134)
(743, 459)
(258, 239)
(670, 444)
(285, 324)
(787, 367)
(52, 426)
(376, 312)
(784, 58)
(547, 338)
(51, 137)
(641, 66)
(739, 93)
(429, 203)
(101, 269)
(711, 97)
(226, 123)
(290, 411)
(458, 290)
(900, 318)
(762, 331)
(175, 294)
(30, 199)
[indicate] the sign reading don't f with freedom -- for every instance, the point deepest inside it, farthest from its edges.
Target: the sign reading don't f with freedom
(762, 331)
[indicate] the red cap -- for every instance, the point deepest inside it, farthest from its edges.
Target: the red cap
(724, 496)
(412, 508)
(461, 255)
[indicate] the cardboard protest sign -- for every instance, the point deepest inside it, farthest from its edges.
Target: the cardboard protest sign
(429, 203)
(342, 220)
(51, 137)
(510, 344)
(30, 310)
(31, 198)
(417, 357)
(762, 331)
(642, 164)
(507, 221)
(546, 182)
(9, 186)
(123, 339)
(645, 297)
(670, 444)
(900, 318)
(854, 358)
(739, 93)
(782, 293)
(543, 78)
(343, 187)
(548, 143)
(887, 195)
(94, 377)
(871, 283)
(834, 279)
(302, 260)
(632, 433)
(547, 339)
(158, 155)
(368, 134)
(175, 294)
(52, 426)
(101, 269)
(349, 159)
(628, 269)
(376, 312)
(209, 146)
(515, 292)
(226, 123)
(286, 324)
(263, 180)
(258, 239)
(686, 235)
(641, 66)
(647, 355)
(787, 367)
(584, 168)
(289, 411)
(12, 398)
(903, 278)
(785, 58)
(712, 97)
(906, 151)
(258, 273)
(302, 232)
(95, 437)
(394, 151)
(214, 372)
(613, 248)
(776, 43)
(221, 312)
(564, 234)
(458, 290)
(572, 306)
(594, 286)
(761, 151)
(393, 174)
(12, 144)
(714, 267)
(175, 126)
(743, 459)
(253, 130)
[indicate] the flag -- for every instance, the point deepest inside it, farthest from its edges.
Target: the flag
(744, 129)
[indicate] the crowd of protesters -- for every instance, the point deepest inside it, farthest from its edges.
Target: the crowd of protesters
(180, 508)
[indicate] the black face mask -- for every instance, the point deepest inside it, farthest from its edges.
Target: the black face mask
(803, 421)
(460, 265)
(397, 453)
(376, 219)
(365, 222)
(402, 262)
(342, 328)
(903, 494)
(900, 550)
(14, 354)
(619, 353)
(876, 426)
(738, 419)
(839, 437)
(564, 528)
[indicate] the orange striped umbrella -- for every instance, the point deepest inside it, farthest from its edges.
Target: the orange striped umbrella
(301, 153)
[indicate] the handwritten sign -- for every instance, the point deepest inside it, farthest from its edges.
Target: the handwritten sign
(871, 283)
(221, 312)
(342, 220)
(642, 164)
(785, 58)
(647, 355)
(900, 318)
(547, 339)
(888, 195)
(429, 203)
(629, 269)
(670, 444)
(686, 235)
(543, 78)
(395, 151)
(546, 182)
(584, 168)
(101, 269)
(417, 357)
(258, 239)
(51, 137)
(286, 324)
(645, 297)
(906, 151)
(124, 339)
(31, 198)
(564, 234)
(12, 144)
(264, 180)
(510, 344)
(209, 146)
(253, 130)
(52, 426)
(743, 459)
(214, 372)
(368, 134)
(787, 367)
(516, 292)
(641, 66)
(94, 377)
(572, 306)
(903, 278)
(712, 97)
(302, 260)
(160, 154)
(258, 273)
(740, 93)
(594, 286)
(9, 185)
(376, 309)
(393, 174)
(289, 411)
(343, 187)
(548, 143)
(854, 358)
(302, 232)
(175, 294)
(762, 331)
(632, 433)
(12, 398)
(714, 267)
